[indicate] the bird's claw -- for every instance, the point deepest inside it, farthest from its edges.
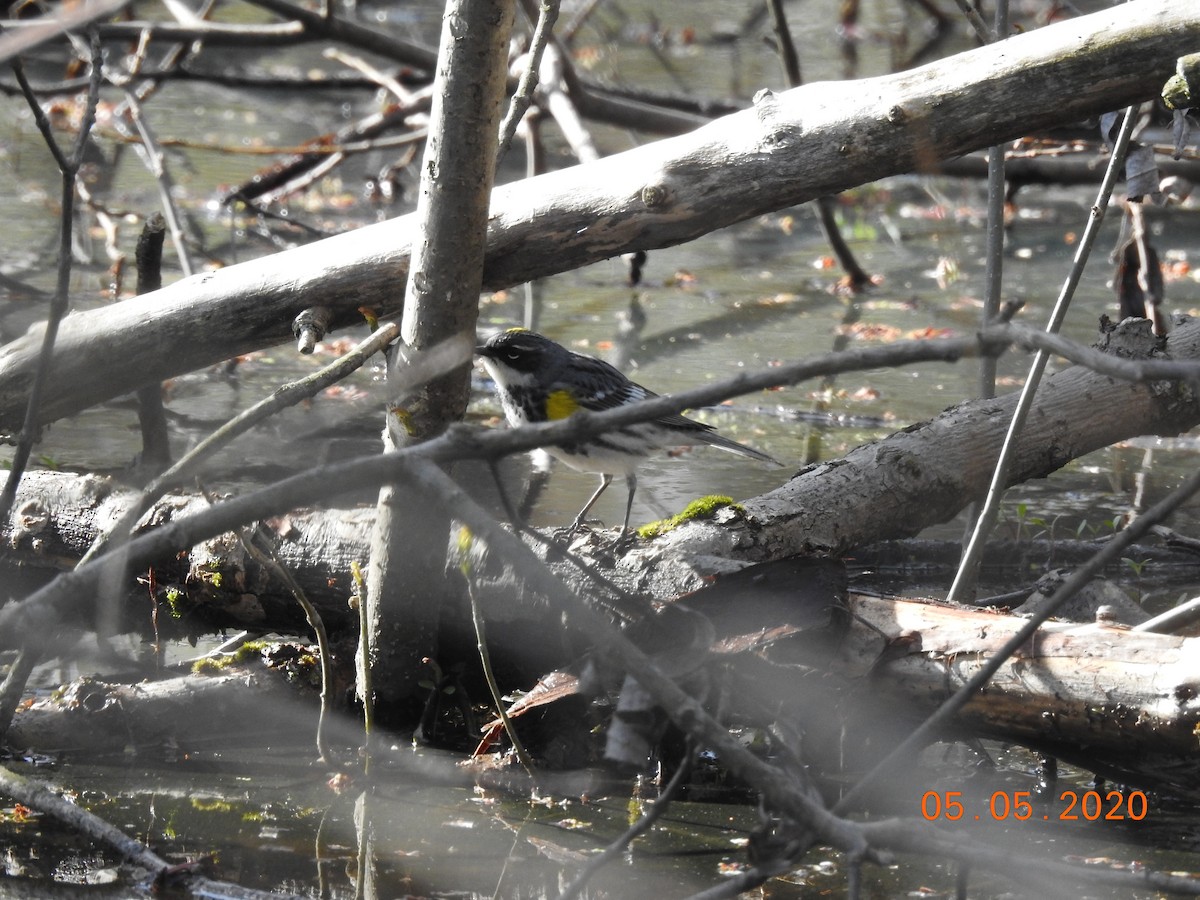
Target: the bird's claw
(624, 538)
(564, 535)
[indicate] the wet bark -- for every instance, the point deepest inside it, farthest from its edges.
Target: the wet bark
(1115, 701)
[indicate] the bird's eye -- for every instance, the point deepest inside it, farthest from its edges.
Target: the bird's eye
(512, 355)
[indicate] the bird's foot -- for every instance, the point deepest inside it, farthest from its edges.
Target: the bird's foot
(566, 535)
(624, 539)
(577, 529)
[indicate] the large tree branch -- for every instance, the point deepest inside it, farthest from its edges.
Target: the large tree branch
(924, 475)
(790, 148)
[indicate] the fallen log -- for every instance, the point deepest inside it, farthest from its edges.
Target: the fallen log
(1119, 703)
(215, 584)
(248, 706)
(927, 473)
(1111, 700)
(1115, 701)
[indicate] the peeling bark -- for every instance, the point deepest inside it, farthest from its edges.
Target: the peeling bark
(1119, 702)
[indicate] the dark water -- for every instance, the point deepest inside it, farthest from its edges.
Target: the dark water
(740, 298)
(269, 819)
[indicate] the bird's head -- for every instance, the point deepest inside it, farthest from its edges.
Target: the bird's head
(519, 350)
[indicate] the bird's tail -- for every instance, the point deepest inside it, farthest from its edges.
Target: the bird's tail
(725, 443)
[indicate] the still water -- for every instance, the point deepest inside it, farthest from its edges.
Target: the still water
(742, 298)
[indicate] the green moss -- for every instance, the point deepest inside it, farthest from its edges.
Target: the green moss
(701, 508)
(249, 650)
(211, 665)
(175, 598)
(212, 805)
(208, 666)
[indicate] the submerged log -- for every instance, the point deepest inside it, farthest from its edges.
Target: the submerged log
(1121, 702)
(155, 716)
(1114, 701)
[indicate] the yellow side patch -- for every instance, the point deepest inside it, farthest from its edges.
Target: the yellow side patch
(560, 404)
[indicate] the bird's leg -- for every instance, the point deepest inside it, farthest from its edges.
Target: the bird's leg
(605, 481)
(631, 481)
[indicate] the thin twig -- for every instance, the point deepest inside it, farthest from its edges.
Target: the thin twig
(485, 657)
(523, 96)
(374, 73)
(268, 559)
(561, 105)
(968, 569)
(786, 46)
(994, 258)
(856, 276)
(156, 446)
(69, 169)
(994, 265)
(149, 148)
(976, 21)
(582, 14)
(152, 156)
(366, 692)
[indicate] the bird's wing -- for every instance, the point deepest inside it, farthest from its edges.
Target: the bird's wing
(596, 386)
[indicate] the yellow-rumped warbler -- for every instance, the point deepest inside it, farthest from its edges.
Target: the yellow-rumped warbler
(538, 380)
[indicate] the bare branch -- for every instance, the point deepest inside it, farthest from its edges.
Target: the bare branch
(20, 37)
(523, 96)
(69, 169)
